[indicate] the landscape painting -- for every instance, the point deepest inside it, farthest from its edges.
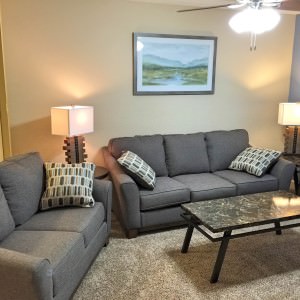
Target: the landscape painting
(173, 64)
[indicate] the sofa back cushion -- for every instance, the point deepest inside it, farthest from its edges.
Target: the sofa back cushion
(224, 146)
(148, 147)
(7, 224)
(186, 153)
(22, 181)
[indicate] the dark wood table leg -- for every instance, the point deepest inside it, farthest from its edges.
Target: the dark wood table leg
(220, 258)
(277, 226)
(187, 238)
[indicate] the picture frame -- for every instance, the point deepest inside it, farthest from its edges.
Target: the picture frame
(166, 64)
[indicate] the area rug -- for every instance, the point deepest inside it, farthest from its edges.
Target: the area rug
(151, 266)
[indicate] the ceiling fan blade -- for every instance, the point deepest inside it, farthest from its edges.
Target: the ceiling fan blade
(203, 8)
(238, 5)
(292, 5)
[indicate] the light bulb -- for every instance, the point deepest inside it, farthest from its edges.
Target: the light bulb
(255, 20)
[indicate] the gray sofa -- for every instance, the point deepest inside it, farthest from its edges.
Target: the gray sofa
(189, 167)
(44, 255)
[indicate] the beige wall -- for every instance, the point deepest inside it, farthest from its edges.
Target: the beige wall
(61, 52)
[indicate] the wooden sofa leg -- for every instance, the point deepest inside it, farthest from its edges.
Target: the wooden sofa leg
(131, 233)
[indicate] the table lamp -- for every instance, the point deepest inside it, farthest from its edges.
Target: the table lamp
(289, 115)
(73, 121)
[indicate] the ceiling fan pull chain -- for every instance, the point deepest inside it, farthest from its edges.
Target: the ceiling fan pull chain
(252, 41)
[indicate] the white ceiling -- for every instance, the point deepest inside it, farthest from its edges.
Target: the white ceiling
(197, 3)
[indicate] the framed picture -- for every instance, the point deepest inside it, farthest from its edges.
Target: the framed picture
(165, 64)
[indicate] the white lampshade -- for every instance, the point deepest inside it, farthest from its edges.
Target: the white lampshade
(72, 120)
(255, 20)
(289, 114)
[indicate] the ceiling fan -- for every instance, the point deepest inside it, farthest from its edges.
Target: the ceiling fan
(289, 5)
(257, 17)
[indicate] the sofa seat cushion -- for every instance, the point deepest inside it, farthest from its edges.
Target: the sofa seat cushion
(62, 249)
(7, 223)
(207, 186)
(167, 192)
(186, 153)
(22, 181)
(247, 183)
(224, 146)
(150, 148)
(74, 219)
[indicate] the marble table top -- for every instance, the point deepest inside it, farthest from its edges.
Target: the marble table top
(244, 211)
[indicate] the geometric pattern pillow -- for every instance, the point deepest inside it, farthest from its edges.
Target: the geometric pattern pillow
(68, 185)
(138, 169)
(255, 161)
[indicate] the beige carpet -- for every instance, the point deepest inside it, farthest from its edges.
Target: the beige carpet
(151, 266)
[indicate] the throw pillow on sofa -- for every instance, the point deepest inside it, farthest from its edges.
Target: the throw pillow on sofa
(68, 185)
(255, 161)
(138, 169)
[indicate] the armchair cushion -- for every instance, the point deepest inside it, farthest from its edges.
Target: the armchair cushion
(68, 185)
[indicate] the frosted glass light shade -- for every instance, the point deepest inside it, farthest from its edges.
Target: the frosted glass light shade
(289, 114)
(72, 120)
(255, 20)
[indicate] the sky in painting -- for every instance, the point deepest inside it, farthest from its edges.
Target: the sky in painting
(183, 50)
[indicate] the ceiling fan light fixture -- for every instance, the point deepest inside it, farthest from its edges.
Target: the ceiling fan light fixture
(254, 20)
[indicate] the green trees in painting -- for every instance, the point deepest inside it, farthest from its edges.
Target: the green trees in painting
(159, 71)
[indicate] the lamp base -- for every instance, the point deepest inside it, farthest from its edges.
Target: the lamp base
(75, 149)
(291, 139)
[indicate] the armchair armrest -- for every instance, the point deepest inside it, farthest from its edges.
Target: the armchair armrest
(127, 200)
(102, 192)
(24, 276)
(284, 171)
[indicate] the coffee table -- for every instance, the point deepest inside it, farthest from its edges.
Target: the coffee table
(234, 217)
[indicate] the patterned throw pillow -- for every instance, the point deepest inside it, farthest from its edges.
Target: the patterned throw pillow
(68, 185)
(139, 170)
(255, 161)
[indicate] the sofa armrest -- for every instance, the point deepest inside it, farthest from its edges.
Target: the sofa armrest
(127, 200)
(283, 170)
(24, 276)
(102, 192)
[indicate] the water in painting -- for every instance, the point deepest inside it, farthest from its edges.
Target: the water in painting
(174, 63)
